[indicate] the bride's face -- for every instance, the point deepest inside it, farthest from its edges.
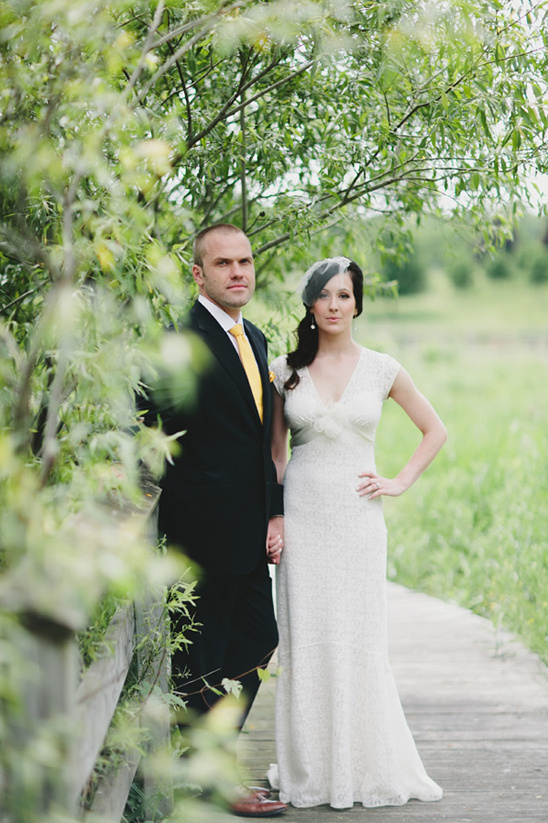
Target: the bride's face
(335, 305)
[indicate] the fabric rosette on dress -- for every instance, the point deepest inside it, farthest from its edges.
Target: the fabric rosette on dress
(331, 421)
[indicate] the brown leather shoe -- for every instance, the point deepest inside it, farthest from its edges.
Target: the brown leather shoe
(255, 806)
(260, 791)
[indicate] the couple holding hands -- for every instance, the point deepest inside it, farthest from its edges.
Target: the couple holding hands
(234, 504)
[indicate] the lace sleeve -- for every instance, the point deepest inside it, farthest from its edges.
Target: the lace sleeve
(281, 371)
(391, 369)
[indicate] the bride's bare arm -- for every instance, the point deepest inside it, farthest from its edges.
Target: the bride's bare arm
(279, 437)
(434, 435)
(275, 535)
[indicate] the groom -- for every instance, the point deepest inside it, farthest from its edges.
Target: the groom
(221, 502)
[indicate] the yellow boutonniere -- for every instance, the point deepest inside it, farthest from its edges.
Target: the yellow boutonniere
(271, 376)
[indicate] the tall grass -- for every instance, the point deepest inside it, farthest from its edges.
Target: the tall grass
(474, 529)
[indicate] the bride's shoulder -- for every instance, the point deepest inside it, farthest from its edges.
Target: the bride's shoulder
(373, 354)
(279, 365)
(380, 361)
(280, 372)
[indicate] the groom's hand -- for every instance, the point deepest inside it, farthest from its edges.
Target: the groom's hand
(275, 540)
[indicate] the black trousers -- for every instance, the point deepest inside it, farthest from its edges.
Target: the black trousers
(238, 634)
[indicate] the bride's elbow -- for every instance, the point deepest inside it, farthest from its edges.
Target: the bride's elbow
(442, 434)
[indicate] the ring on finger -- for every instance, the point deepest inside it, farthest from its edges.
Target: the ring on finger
(378, 485)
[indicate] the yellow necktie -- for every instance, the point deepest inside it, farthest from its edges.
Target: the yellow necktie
(250, 365)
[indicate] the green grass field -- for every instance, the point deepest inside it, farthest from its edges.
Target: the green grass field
(474, 529)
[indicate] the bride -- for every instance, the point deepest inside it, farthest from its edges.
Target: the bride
(342, 737)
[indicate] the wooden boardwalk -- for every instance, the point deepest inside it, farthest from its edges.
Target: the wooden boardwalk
(477, 703)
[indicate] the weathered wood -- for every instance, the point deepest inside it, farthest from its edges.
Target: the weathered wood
(149, 640)
(477, 703)
(52, 695)
(112, 792)
(52, 659)
(154, 669)
(148, 633)
(99, 691)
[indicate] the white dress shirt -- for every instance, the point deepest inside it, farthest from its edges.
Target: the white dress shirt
(223, 319)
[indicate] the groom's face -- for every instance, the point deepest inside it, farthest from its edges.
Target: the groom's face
(226, 275)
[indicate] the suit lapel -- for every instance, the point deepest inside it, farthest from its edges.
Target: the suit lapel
(225, 353)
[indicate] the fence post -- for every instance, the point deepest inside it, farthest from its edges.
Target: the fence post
(38, 770)
(154, 668)
(41, 753)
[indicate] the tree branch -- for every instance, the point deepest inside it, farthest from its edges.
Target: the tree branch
(8, 306)
(272, 87)
(187, 101)
(224, 111)
(483, 60)
(49, 446)
(147, 46)
(176, 32)
(207, 24)
(243, 169)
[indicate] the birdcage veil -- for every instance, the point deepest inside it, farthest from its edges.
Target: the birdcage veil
(318, 275)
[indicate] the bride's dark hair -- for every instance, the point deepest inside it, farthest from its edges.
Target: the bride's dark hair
(307, 337)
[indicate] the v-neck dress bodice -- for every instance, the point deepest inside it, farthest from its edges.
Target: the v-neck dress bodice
(354, 417)
(341, 733)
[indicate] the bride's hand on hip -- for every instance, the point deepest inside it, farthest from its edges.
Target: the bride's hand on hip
(373, 485)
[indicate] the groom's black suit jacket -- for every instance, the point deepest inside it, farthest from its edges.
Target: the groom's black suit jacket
(221, 490)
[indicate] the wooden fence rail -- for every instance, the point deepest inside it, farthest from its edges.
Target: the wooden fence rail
(56, 694)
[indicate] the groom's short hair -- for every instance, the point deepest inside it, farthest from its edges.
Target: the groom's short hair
(199, 240)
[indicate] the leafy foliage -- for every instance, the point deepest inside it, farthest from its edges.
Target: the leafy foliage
(461, 275)
(128, 127)
(498, 268)
(539, 269)
(409, 274)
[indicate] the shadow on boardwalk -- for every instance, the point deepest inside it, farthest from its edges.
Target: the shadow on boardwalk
(477, 703)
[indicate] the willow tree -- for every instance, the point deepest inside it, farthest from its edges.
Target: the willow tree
(283, 117)
(399, 108)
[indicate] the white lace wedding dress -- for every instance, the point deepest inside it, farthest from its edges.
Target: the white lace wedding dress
(342, 737)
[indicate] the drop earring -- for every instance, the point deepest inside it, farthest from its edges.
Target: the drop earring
(312, 324)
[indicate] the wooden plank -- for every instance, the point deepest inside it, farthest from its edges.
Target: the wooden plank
(99, 692)
(100, 689)
(47, 684)
(477, 703)
(154, 668)
(112, 791)
(52, 696)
